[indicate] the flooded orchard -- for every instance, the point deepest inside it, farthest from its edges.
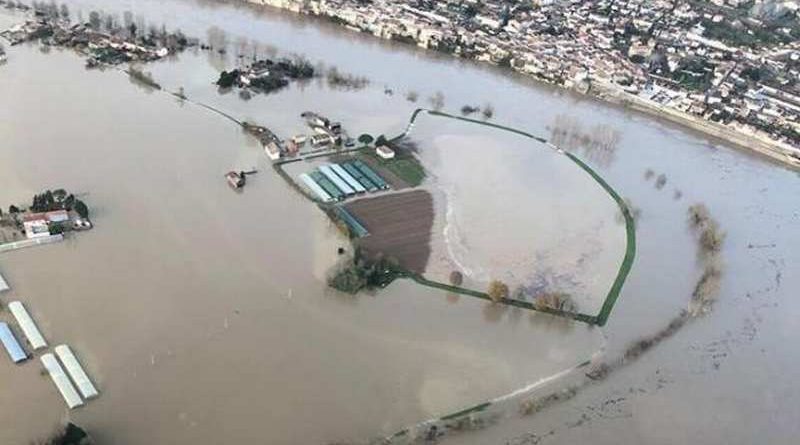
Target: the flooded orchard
(203, 315)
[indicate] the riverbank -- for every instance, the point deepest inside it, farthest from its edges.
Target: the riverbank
(772, 149)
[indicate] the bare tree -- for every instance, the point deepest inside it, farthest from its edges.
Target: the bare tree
(437, 101)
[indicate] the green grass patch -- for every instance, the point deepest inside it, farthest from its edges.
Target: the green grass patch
(404, 165)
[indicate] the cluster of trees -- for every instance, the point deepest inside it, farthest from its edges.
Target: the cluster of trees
(711, 236)
(364, 273)
(278, 74)
(487, 110)
(599, 143)
(338, 79)
(555, 300)
(140, 77)
(710, 241)
(57, 199)
(70, 434)
(52, 10)
(437, 101)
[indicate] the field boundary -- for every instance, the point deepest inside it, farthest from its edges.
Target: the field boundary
(601, 317)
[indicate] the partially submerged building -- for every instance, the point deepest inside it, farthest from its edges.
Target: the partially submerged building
(3, 284)
(272, 150)
(37, 225)
(13, 348)
(27, 325)
(61, 381)
(76, 371)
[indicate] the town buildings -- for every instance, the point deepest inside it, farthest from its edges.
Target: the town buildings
(732, 63)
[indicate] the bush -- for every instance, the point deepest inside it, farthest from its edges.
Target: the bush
(363, 273)
(456, 278)
(555, 300)
(365, 139)
(81, 208)
(497, 291)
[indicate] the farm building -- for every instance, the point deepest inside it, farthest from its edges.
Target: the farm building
(11, 344)
(35, 225)
(27, 325)
(76, 371)
(354, 225)
(316, 188)
(61, 381)
(370, 174)
(336, 180)
(351, 181)
(326, 184)
(384, 152)
(3, 284)
(273, 151)
(356, 173)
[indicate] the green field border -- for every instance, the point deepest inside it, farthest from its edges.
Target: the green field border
(630, 230)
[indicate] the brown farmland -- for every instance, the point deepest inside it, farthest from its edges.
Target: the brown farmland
(399, 226)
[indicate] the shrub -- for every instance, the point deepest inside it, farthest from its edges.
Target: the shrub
(497, 291)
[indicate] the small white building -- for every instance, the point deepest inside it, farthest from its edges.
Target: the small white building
(384, 152)
(273, 151)
(35, 225)
(27, 325)
(3, 285)
(57, 216)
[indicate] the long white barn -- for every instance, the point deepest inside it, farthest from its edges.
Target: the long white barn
(3, 285)
(76, 371)
(61, 380)
(27, 325)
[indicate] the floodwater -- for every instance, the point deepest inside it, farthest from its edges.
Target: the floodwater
(203, 315)
(516, 210)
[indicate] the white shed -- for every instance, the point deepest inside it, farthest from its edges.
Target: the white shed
(3, 285)
(61, 380)
(76, 371)
(27, 325)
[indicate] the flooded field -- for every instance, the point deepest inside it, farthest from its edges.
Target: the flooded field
(516, 210)
(203, 315)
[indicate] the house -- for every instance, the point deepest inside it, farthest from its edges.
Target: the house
(320, 140)
(273, 151)
(35, 225)
(57, 216)
(384, 152)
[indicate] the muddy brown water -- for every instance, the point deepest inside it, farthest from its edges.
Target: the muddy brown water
(203, 316)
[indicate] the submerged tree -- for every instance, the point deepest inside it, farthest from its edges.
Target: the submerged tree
(497, 291)
(365, 139)
(437, 101)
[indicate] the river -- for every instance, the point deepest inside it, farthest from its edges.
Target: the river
(203, 314)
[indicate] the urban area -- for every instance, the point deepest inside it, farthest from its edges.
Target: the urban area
(725, 67)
